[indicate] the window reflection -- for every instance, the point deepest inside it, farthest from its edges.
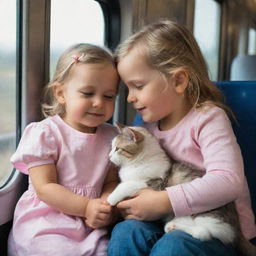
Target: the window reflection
(207, 32)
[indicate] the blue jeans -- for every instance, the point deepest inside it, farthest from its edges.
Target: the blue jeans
(139, 238)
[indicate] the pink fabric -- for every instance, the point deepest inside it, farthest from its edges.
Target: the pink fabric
(81, 160)
(205, 139)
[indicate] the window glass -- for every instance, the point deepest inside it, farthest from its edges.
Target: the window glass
(252, 42)
(79, 21)
(7, 86)
(207, 32)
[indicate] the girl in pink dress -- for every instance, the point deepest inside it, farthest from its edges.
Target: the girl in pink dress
(64, 211)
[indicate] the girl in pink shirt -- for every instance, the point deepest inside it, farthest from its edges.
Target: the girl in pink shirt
(168, 84)
(64, 211)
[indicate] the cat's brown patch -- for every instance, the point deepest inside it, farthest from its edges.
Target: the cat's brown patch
(129, 142)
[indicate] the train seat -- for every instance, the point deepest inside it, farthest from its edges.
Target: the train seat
(240, 97)
(243, 68)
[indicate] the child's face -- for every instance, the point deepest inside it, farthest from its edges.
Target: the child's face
(153, 96)
(89, 95)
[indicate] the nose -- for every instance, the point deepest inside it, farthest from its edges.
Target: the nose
(131, 97)
(97, 102)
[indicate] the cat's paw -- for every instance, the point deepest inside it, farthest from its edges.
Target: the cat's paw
(112, 200)
(170, 226)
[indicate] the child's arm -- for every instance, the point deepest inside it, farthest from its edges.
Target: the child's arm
(111, 182)
(44, 180)
(99, 213)
(224, 178)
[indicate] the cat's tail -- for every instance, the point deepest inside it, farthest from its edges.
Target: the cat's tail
(245, 248)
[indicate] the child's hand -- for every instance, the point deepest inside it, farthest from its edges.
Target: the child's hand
(98, 213)
(147, 205)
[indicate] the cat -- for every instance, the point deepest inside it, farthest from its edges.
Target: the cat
(144, 164)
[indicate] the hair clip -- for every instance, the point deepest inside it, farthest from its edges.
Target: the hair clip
(77, 58)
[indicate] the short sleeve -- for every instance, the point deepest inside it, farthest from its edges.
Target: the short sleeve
(37, 147)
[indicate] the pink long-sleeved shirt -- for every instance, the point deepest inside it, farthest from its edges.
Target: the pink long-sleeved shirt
(205, 139)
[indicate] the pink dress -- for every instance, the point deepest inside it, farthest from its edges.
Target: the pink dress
(205, 139)
(82, 163)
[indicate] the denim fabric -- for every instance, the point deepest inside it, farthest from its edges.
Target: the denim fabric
(139, 238)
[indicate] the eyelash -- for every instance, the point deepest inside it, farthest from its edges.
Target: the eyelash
(87, 94)
(109, 97)
(139, 87)
(90, 94)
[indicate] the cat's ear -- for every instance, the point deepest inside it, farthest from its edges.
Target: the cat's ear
(119, 126)
(136, 135)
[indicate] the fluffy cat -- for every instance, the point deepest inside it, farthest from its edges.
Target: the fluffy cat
(143, 163)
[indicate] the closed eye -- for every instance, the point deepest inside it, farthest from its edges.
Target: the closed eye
(109, 97)
(139, 87)
(88, 94)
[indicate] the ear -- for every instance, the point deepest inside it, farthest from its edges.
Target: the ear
(136, 136)
(181, 79)
(59, 93)
(119, 126)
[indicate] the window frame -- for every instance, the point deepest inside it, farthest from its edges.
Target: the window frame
(111, 13)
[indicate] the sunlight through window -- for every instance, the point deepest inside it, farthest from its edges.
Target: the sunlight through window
(207, 33)
(82, 22)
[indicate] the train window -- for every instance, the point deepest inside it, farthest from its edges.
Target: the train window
(74, 23)
(7, 86)
(207, 32)
(252, 42)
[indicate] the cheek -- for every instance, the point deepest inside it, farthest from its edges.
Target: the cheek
(79, 107)
(110, 106)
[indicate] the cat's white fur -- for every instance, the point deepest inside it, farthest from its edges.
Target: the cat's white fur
(154, 163)
(203, 228)
(134, 173)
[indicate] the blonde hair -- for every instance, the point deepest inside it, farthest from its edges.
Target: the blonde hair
(76, 54)
(168, 47)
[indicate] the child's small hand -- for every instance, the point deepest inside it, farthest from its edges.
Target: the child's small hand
(147, 205)
(98, 213)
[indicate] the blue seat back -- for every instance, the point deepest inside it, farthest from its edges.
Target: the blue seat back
(240, 96)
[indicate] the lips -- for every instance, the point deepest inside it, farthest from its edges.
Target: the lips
(140, 109)
(95, 114)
